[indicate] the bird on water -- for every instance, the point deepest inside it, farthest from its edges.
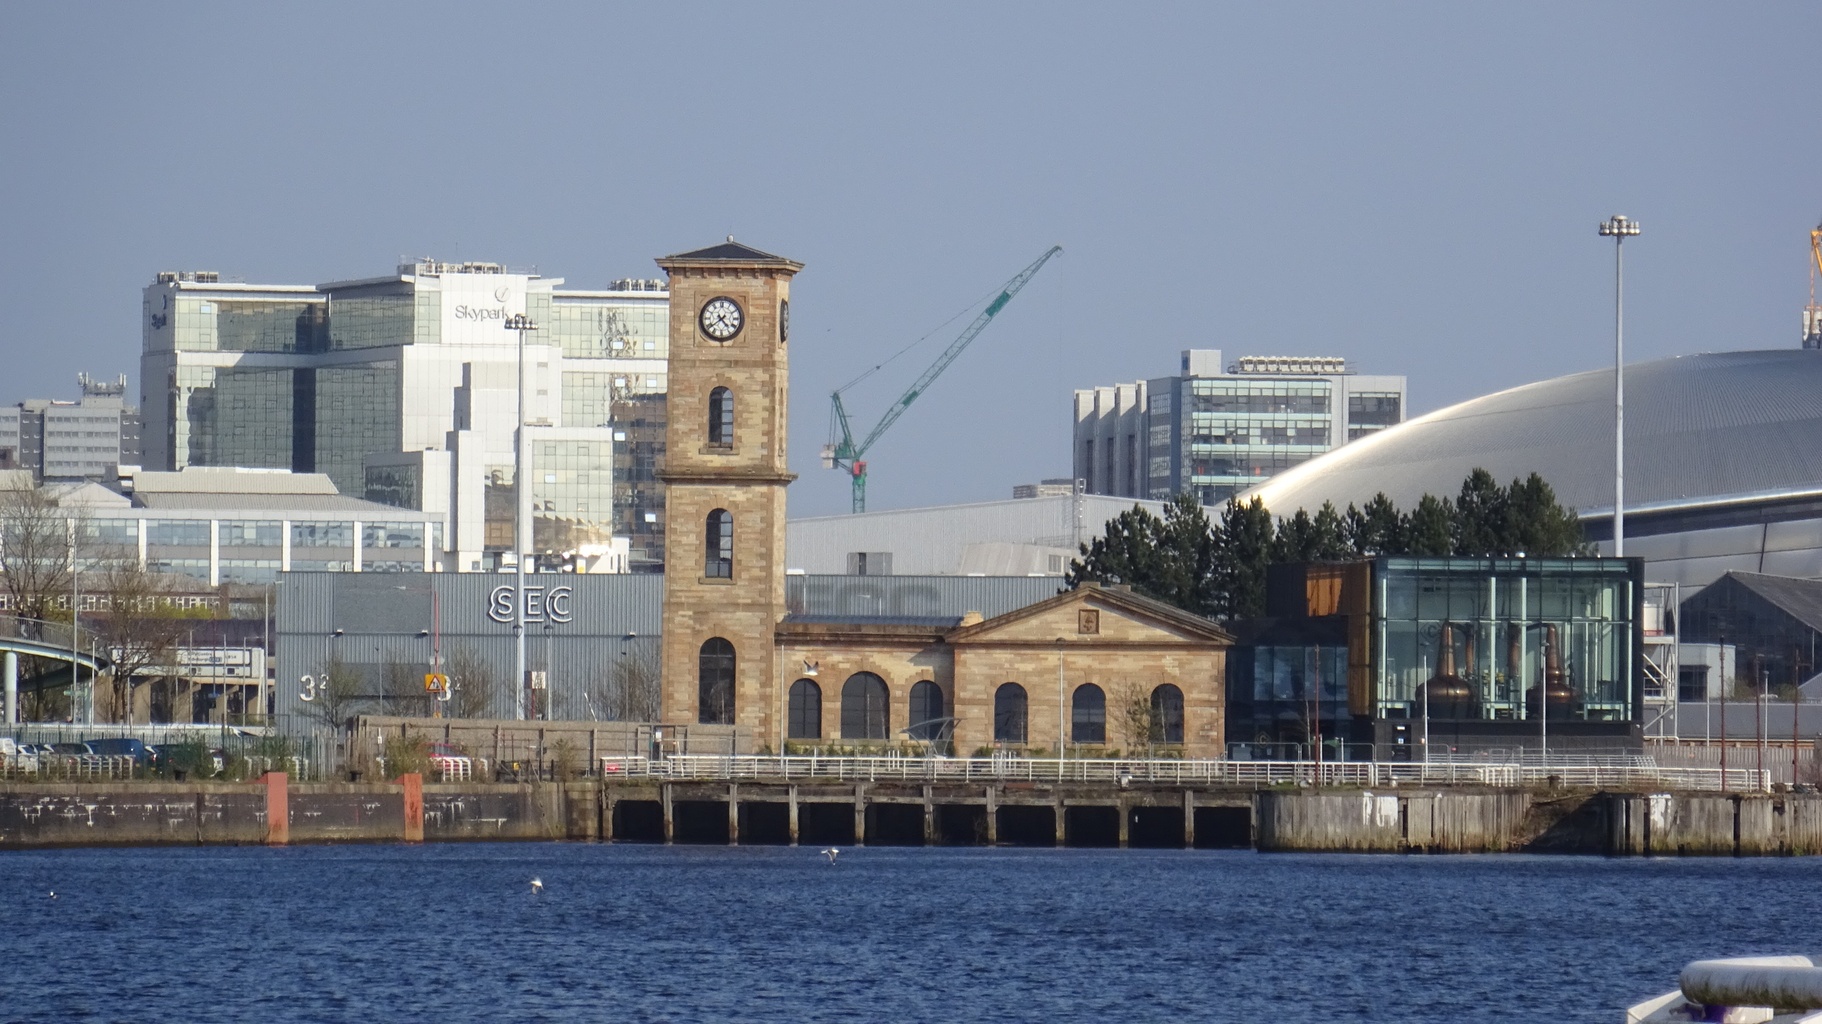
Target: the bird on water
(831, 853)
(537, 886)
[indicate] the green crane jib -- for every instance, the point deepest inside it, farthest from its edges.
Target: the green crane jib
(841, 451)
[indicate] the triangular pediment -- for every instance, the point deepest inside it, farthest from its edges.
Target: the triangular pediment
(1112, 617)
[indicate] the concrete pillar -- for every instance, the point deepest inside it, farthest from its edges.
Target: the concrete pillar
(278, 806)
(1061, 818)
(11, 707)
(993, 817)
(607, 812)
(1125, 820)
(664, 801)
(929, 816)
(413, 785)
(860, 814)
(733, 814)
(793, 822)
(1189, 819)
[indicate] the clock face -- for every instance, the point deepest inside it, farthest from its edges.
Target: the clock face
(784, 320)
(721, 318)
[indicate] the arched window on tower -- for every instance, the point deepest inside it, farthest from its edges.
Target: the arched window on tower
(1088, 716)
(805, 712)
(863, 707)
(721, 418)
(1009, 714)
(1167, 714)
(715, 683)
(718, 547)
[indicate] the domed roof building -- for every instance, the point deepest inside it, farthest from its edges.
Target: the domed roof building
(1723, 459)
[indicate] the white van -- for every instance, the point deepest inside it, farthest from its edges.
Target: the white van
(14, 758)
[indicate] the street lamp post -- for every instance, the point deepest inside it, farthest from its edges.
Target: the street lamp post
(1062, 737)
(1619, 229)
(523, 324)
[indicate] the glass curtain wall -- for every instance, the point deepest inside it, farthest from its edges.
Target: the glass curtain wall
(1501, 631)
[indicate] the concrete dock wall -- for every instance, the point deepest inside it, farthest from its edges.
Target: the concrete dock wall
(273, 811)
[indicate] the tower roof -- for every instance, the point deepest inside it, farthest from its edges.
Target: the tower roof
(729, 251)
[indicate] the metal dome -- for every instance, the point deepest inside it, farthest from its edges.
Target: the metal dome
(1700, 430)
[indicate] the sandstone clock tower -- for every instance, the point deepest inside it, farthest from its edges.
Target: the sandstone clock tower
(725, 478)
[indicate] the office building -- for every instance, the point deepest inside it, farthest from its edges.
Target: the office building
(1214, 432)
(402, 389)
(57, 440)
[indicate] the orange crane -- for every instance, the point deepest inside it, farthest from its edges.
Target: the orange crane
(1812, 314)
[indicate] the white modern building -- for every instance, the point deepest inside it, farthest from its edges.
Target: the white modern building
(1215, 431)
(88, 438)
(403, 388)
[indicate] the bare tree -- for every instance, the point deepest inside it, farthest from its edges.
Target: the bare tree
(473, 682)
(403, 687)
(1137, 716)
(632, 691)
(138, 626)
(35, 550)
(335, 693)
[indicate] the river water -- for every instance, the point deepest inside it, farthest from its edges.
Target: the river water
(639, 933)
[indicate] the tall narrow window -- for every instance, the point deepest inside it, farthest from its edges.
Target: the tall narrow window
(927, 712)
(718, 546)
(721, 418)
(805, 712)
(1167, 714)
(1009, 714)
(715, 683)
(1088, 716)
(863, 707)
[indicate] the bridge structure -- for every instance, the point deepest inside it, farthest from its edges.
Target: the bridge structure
(53, 642)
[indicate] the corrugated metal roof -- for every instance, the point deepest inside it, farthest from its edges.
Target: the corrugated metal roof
(226, 505)
(1697, 427)
(933, 541)
(1801, 599)
(855, 598)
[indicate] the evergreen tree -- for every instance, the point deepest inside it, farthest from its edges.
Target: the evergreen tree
(1171, 559)
(1126, 552)
(1430, 528)
(1541, 526)
(1482, 524)
(1246, 543)
(1329, 540)
(1377, 529)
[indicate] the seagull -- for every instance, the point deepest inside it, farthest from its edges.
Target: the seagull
(537, 886)
(53, 894)
(831, 853)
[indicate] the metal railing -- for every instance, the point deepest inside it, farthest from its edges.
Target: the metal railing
(1178, 772)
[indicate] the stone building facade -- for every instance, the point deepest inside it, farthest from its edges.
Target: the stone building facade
(1088, 670)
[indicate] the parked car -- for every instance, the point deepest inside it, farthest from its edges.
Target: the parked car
(71, 749)
(122, 747)
(15, 756)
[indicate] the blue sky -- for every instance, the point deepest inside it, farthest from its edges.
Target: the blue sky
(1413, 186)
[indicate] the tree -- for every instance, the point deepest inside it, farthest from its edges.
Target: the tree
(632, 691)
(1130, 705)
(35, 550)
(335, 693)
(1246, 547)
(1540, 525)
(1376, 529)
(473, 681)
(1171, 559)
(1483, 520)
(1430, 528)
(138, 626)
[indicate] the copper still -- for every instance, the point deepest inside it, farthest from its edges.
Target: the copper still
(1555, 684)
(1445, 694)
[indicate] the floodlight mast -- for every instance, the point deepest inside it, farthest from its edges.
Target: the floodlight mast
(843, 452)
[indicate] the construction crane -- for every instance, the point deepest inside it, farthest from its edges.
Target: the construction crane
(842, 451)
(1812, 314)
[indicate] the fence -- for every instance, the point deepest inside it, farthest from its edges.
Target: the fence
(237, 751)
(1181, 772)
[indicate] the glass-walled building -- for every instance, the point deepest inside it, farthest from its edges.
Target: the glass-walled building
(404, 389)
(1456, 653)
(1215, 431)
